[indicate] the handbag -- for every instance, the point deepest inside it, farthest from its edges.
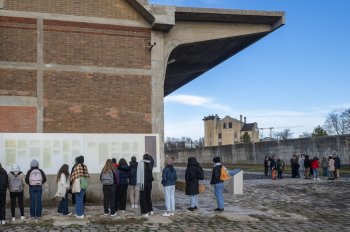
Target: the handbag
(76, 186)
(84, 183)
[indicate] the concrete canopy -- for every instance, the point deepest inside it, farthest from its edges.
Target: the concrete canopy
(189, 60)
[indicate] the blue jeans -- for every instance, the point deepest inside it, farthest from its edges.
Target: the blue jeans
(63, 206)
(35, 193)
(169, 192)
(315, 172)
(325, 171)
(193, 201)
(219, 189)
(79, 202)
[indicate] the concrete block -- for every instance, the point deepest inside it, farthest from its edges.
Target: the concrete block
(235, 184)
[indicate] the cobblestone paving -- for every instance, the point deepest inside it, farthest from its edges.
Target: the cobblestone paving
(282, 205)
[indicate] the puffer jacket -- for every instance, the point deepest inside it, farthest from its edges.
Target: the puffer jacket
(169, 176)
(124, 172)
(193, 174)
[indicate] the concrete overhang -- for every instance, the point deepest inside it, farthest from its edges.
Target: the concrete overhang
(187, 61)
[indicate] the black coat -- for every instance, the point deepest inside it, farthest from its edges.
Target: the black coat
(193, 174)
(3, 180)
(149, 172)
(215, 176)
(337, 162)
(133, 173)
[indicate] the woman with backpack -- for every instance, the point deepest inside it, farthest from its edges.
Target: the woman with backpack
(134, 190)
(109, 179)
(3, 189)
(169, 178)
(193, 174)
(16, 186)
(35, 178)
(144, 180)
(62, 189)
(122, 190)
(79, 178)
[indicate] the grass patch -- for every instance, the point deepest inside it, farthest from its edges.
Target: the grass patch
(45, 223)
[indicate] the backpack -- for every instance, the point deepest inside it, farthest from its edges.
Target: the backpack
(84, 182)
(224, 175)
(107, 178)
(16, 184)
(35, 177)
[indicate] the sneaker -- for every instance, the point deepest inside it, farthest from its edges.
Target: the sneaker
(136, 206)
(151, 213)
(23, 217)
(172, 213)
(145, 215)
(68, 214)
(122, 211)
(81, 217)
(133, 206)
(166, 214)
(317, 178)
(113, 215)
(195, 208)
(218, 209)
(3, 222)
(13, 219)
(105, 214)
(190, 209)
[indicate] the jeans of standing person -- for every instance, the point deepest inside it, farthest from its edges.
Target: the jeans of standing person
(301, 173)
(122, 193)
(79, 202)
(35, 193)
(280, 174)
(169, 192)
(2, 205)
(63, 206)
(325, 171)
(14, 196)
(315, 172)
(134, 194)
(146, 200)
(109, 198)
(193, 201)
(306, 173)
(219, 189)
(266, 171)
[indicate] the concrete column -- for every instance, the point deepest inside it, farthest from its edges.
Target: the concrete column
(40, 75)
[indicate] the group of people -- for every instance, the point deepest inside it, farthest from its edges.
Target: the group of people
(304, 167)
(116, 179)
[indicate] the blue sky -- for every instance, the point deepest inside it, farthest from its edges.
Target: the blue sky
(292, 78)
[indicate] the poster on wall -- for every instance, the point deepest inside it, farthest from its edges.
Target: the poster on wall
(54, 149)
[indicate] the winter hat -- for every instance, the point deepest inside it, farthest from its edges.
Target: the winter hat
(15, 168)
(34, 163)
(216, 160)
(169, 161)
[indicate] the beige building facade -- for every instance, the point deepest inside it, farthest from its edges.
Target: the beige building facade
(228, 130)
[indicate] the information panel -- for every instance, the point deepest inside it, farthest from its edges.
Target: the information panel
(54, 149)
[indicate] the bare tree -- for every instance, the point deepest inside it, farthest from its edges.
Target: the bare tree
(338, 123)
(284, 135)
(305, 134)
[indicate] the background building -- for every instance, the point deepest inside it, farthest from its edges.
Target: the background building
(228, 130)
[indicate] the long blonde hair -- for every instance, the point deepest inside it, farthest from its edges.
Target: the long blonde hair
(108, 166)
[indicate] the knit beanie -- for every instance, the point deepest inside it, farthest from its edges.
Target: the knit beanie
(15, 168)
(34, 163)
(216, 160)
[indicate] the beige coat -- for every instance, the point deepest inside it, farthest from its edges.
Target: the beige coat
(62, 186)
(331, 167)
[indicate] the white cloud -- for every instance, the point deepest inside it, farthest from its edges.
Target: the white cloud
(197, 101)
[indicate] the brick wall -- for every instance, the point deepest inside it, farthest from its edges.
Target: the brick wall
(14, 82)
(97, 103)
(17, 39)
(118, 9)
(96, 45)
(17, 119)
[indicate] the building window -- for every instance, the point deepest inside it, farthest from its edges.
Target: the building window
(220, 136)
(224, 126)
(230, 125)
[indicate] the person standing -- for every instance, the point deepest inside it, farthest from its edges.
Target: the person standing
(337, 165)
(307, 166)
(122, 190)
(294, 166)
(280, 167)
(62, 189)
(169, 178)
(35, 178)
(273, 167)
(324, 164)
(109, 179)
(134, 190)
(218, 184)
(315, 165)
(16, 186)
(3, 189)
(301, 166)
(266, 166)
(331, 168)
(144, 180)
(80, 174)
(193, 174)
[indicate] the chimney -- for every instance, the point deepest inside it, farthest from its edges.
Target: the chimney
(245, 120)
(240, 118)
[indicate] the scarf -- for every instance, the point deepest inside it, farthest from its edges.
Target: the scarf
(140, 180)
(217, 164)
